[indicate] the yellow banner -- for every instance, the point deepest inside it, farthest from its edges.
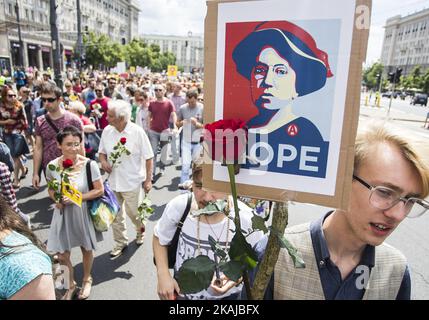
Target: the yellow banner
(172, 71)
(72, 193)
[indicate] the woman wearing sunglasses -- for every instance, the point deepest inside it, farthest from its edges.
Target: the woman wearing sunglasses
(13, 123)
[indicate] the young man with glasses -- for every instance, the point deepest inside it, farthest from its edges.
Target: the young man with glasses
(344, 251)
(46, 128)
(160, 112)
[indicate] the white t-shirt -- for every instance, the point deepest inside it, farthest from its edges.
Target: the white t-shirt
(188, 242)
(131, 172)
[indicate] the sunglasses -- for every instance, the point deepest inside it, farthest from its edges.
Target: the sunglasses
(11, 95)
(48, 99)
(158, 90)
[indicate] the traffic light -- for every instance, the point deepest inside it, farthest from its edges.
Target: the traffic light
(391, 77)
(398, 74)
(123, 41)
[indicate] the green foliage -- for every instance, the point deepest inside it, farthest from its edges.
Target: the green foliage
(211, 208)
(370, 78)
(293, 252)
(258, 223)
(232, 269)
(102, 51)
(145, 209)
(196, 274)
(241, 251)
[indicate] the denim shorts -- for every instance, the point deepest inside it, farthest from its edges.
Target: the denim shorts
(16, 143)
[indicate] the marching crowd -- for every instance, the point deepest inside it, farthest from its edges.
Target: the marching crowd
(79, 128)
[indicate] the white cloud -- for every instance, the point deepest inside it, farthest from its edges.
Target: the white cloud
(177, 17)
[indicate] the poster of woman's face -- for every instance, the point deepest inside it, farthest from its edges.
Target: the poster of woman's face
(282, 67)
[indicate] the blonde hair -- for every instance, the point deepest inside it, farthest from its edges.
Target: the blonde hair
(77, 106)
(413, 149)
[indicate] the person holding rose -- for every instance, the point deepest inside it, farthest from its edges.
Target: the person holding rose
(135, 169)
(71, 225)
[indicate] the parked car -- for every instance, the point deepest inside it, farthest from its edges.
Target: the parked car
(420, 98)
(386, 94)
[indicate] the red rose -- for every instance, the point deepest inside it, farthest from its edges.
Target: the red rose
(67, 163)
(123, 140)
(226, 139)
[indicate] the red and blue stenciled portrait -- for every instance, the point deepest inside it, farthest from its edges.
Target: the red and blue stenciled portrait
(270, 67)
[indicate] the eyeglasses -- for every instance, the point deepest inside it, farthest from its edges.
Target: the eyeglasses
(158, 90)
(11, 95)
(384, 198)
(48, 99)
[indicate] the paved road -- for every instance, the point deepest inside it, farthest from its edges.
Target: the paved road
(133, 276)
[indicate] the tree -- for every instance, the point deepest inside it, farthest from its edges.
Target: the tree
(372, 74)
(425, 82)
(102, 52)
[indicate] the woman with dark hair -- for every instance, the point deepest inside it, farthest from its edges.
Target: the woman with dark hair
(25, 268)
(283, 63)
(14, 122)
(71, 224)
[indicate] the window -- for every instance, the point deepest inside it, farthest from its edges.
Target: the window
(32, 15)
(41, 18)
(10, 11)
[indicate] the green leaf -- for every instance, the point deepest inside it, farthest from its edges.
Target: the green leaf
(115, 147)
(232, 269)
(195, 274)
(217, 249)
(258, 223)
(211, 208)
(52, 167)
(66, 179)
(242, 252)
(293, 252)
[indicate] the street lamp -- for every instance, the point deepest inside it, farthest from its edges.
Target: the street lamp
(21, 44)
(55, 44)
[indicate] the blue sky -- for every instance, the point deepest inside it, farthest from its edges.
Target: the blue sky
(178, 17)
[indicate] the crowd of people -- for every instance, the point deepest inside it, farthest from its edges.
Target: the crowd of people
(84, 121)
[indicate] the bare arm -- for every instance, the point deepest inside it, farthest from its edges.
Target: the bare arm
(149, 119)
(37, 161)
(41, 288)
(147, 184)
(166, 284)
(97, 191)
(174, 116)
(104, 163)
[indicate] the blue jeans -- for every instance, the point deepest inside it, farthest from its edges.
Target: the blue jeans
(190, 152)
(16, 143)
(155, 139)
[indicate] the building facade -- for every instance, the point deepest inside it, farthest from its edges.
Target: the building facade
(189, 50)
(406, 42)
(117, 19)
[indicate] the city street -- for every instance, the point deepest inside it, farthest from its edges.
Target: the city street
(133, 275)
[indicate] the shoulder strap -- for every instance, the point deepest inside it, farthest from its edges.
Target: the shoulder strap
(89, 175)
(49, 120)
(185, 213)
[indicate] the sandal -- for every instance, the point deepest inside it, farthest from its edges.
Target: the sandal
(16, 186)
(24, 174)
(70, 293)
(85, 291)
